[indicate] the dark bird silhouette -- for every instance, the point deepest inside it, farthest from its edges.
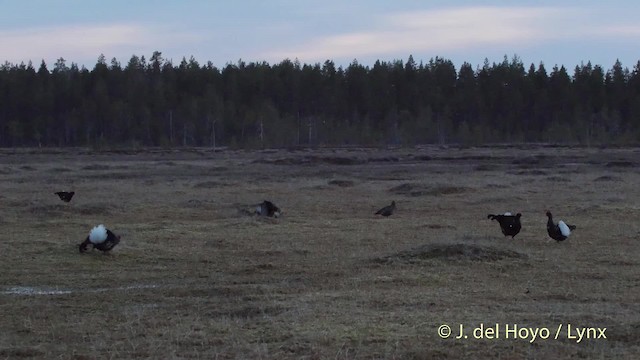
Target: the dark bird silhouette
(387, 210)
(560, 231)
(267, 208)
(101, 238)
(65, 195)
(509, 224)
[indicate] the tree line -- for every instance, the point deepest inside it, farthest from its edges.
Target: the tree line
(157, 103)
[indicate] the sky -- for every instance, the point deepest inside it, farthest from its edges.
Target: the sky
(558, 32)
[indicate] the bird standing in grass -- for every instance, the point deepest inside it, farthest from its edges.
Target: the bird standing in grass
(509, 224)
(560, 231)
(65, 195)
(387, 210)
(101, 238)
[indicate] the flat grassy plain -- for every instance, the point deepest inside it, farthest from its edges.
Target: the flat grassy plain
(197, 276)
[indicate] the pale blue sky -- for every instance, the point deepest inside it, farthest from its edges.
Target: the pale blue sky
(554, 32)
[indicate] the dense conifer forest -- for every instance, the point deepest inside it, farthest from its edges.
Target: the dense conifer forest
(154, 102)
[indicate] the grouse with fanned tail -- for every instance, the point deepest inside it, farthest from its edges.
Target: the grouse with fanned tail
(101, 238)
(267, 208)
(509, 224)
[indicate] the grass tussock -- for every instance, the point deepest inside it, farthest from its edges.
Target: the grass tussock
(620, 163)
(451, 252)
(312, 160)
(606, 178)
(535, 172)
(415, 189)
(341, 183)
(210, 185)
(558, 179)
(93, 167)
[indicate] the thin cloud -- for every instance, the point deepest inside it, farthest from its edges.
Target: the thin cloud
(72, 41)
(83, 41)
(632, 31)
(452, 29)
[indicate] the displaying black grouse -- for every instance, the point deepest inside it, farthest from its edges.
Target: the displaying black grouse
(560, 231)
(509, 224)
(387, 210)
(101, 238)
(267, 208)
(65, 195)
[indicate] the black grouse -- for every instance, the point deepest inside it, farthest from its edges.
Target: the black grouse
(559, 231)
(267, 208)
(65, 195)
(101, 238)
(509, 224)
(387, 210)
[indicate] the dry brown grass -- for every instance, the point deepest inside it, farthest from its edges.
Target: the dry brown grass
(197, 276)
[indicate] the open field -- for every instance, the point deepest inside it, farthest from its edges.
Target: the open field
(197, 276)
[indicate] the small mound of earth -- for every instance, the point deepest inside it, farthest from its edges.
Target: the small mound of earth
(166, 163)
(486, 167)
(282, 161)
(311, 160)
(409, 189)
(450, 252)
(59, 170)
(608, 178)
(384, 159)
(406, 188)
(437, 226)
(337, 160)
(96, 167)
(620, 164)
(557, 179)
(209, 185)
(528, 160)
(529, 172)
(341, 183)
